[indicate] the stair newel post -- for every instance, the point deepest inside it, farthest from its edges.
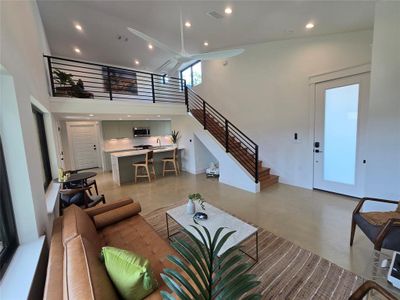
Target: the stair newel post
(152, 88)
(51, 75)
(204, 115)
(256, 162)
(226, 135)
(109, 83)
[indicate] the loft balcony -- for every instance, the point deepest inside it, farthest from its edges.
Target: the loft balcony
(86, 87)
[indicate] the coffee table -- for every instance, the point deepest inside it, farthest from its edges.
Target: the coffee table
(374, 271)
(216, 218)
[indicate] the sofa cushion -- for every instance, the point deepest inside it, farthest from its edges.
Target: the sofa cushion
(77, 222)
(85, 276)
(131, 273)
(136, 235)
(99, 209)
(116, 215)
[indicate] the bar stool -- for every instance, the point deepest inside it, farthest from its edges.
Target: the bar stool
(174, 161)
(145, 164)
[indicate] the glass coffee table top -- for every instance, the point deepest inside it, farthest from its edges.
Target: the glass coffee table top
(374, 271)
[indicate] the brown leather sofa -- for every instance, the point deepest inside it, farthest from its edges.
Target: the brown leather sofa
(75, 270)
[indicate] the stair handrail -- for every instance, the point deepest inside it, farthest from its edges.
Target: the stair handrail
(236, 132)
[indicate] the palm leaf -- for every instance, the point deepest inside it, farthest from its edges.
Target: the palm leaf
(166, 296)
(202, 247)
(222, 242)
(182, 280)
(190, 258)
(214, 277)
(239, 269)
(238, 287)
(175, 287)
(197, 256)
(190, 273)
(216, 236)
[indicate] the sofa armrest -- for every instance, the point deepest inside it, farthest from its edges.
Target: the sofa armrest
(107, 207)
(116, 215)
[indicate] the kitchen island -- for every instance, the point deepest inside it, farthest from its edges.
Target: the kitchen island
(121, 162)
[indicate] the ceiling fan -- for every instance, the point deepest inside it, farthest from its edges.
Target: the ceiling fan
(172, 65)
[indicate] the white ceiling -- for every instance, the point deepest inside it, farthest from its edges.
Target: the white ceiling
(251, 22)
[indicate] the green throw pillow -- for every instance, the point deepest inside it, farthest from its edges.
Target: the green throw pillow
(130, 273)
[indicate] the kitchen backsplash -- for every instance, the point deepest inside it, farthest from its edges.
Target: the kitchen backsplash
(127, 143)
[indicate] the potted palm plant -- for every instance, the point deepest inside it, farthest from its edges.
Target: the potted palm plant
(64, 82)
(175, 137)
(207, 275)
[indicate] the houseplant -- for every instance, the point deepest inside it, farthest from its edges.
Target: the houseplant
(192, 198)
(210, 277)
(64, 81)
(174, 136)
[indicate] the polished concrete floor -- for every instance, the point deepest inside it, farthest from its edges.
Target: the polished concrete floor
(315, 220)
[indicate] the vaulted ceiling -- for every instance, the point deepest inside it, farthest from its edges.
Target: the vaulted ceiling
(104, 37)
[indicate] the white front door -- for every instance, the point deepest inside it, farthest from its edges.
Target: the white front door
(340, 120)
(83, 142)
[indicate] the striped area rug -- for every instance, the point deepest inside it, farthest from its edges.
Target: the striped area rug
(286, 271)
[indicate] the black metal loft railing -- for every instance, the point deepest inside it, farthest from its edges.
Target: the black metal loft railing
(73, 78)
(239, 145)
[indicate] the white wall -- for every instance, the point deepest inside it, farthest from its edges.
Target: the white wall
(193, 157)
(203, 156)
(383, 156)
(23, 77)
(265, 92)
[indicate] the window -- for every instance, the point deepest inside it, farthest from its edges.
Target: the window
(41, 135)
(192, 74)
(8, 232)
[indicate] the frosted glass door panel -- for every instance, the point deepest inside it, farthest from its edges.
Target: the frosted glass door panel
(340, 136)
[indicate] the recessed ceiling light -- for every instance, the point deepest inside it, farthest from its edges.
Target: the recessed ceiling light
(91, 115)
(310, 25)
(78, 27)
(158, 116)
(205, 44)
(137, 62)
(129, 116)
(150, 46)
(77, 50)
(228, 10)
(188, 24)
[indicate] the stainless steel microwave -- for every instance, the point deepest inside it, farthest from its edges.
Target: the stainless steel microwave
(141, 131)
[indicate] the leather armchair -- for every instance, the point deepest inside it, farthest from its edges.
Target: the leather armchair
(368, 286)
(79, 197)
(386, 235)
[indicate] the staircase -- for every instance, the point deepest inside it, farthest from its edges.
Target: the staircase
(235, 142)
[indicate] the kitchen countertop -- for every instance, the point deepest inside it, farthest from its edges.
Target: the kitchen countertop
(142, 152)
(118, 150)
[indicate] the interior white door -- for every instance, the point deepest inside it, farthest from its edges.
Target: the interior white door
(83, 141)
(340, 123)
